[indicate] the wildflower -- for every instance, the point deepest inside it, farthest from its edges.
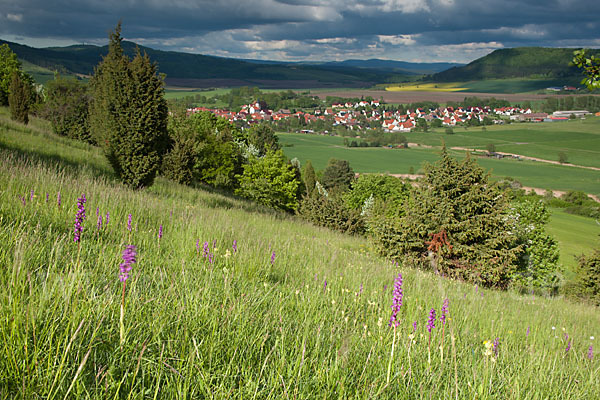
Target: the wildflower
(361, 289)
(31, 195)
(444, 311)
(58, 199)
(325, 285)
(47, 196)
(431, 321)
(205, 250)
(234, 246)
(99, 223)
(227, 254)
(273, 258)
(591, 338)
(568, 347)
(160, 231)
(79, 217)
(495, 348)
(210, 258)
(107, 217)
(129, 255)
(22, 198)
(397, 294)
(97, 211)
(129, 223)
(414, 326)
(590, 353)
(488, 348)
(527, 334)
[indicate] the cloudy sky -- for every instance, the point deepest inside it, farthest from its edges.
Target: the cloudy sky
(315, 30)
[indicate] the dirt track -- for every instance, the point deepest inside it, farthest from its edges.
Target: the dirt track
(439, 97)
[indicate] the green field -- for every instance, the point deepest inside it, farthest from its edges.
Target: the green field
(319, 149)
(579, 139)
(293, 312)
(576, 235)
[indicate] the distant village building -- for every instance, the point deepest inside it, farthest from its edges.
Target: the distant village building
(576, 113)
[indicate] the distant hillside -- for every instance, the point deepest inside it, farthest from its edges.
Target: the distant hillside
(401, 67)
(395, 66)
(522, 62)
(186, 69)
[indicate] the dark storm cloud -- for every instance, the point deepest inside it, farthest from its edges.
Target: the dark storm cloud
(313, 29)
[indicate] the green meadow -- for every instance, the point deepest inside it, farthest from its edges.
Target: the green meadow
(578, 139)
(235, 301)
(576, 235)
(319, 149)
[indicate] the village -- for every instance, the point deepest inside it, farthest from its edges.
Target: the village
(368, 115)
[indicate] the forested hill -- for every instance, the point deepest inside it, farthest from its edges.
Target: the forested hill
(81, 59)
(521, 62)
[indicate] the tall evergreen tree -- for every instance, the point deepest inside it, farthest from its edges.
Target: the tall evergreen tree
(310, 177)
(8, 65)
(19, 98)
(128, 114)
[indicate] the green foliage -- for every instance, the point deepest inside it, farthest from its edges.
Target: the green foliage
(455, 224)
(203, 150)
(128, 114)
(310, 178)
(562, 157)
(590, 65)
(263, 138)
(539, 265)
(338, 173)
(67, 108)
(449, 131)
(589, 275)
(385, 188)
(270, 180)
(8, 65)
(330, 210)
(19, 98)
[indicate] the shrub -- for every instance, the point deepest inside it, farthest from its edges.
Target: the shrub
(589, 276)
(271, 181)
(454, 223)
(67, 108)
(338, 173)
(331, 211)
(19, 98)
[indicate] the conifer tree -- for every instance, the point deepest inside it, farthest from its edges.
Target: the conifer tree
(19, 98)
(9, 63)
(128, 114)
(454, 223)
(310, 177)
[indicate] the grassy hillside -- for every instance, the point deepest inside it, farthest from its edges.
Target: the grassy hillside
(522, 62)
(295, 312)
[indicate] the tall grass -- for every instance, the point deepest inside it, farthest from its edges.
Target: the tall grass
(312, 324)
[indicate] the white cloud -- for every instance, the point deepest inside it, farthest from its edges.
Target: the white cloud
(406, 40)
(405, 6)
(528, 31)
(337, 40)
(14, 17)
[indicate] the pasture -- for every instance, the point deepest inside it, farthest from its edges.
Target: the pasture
(578, 139)
(319, 149)
(230, 300)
